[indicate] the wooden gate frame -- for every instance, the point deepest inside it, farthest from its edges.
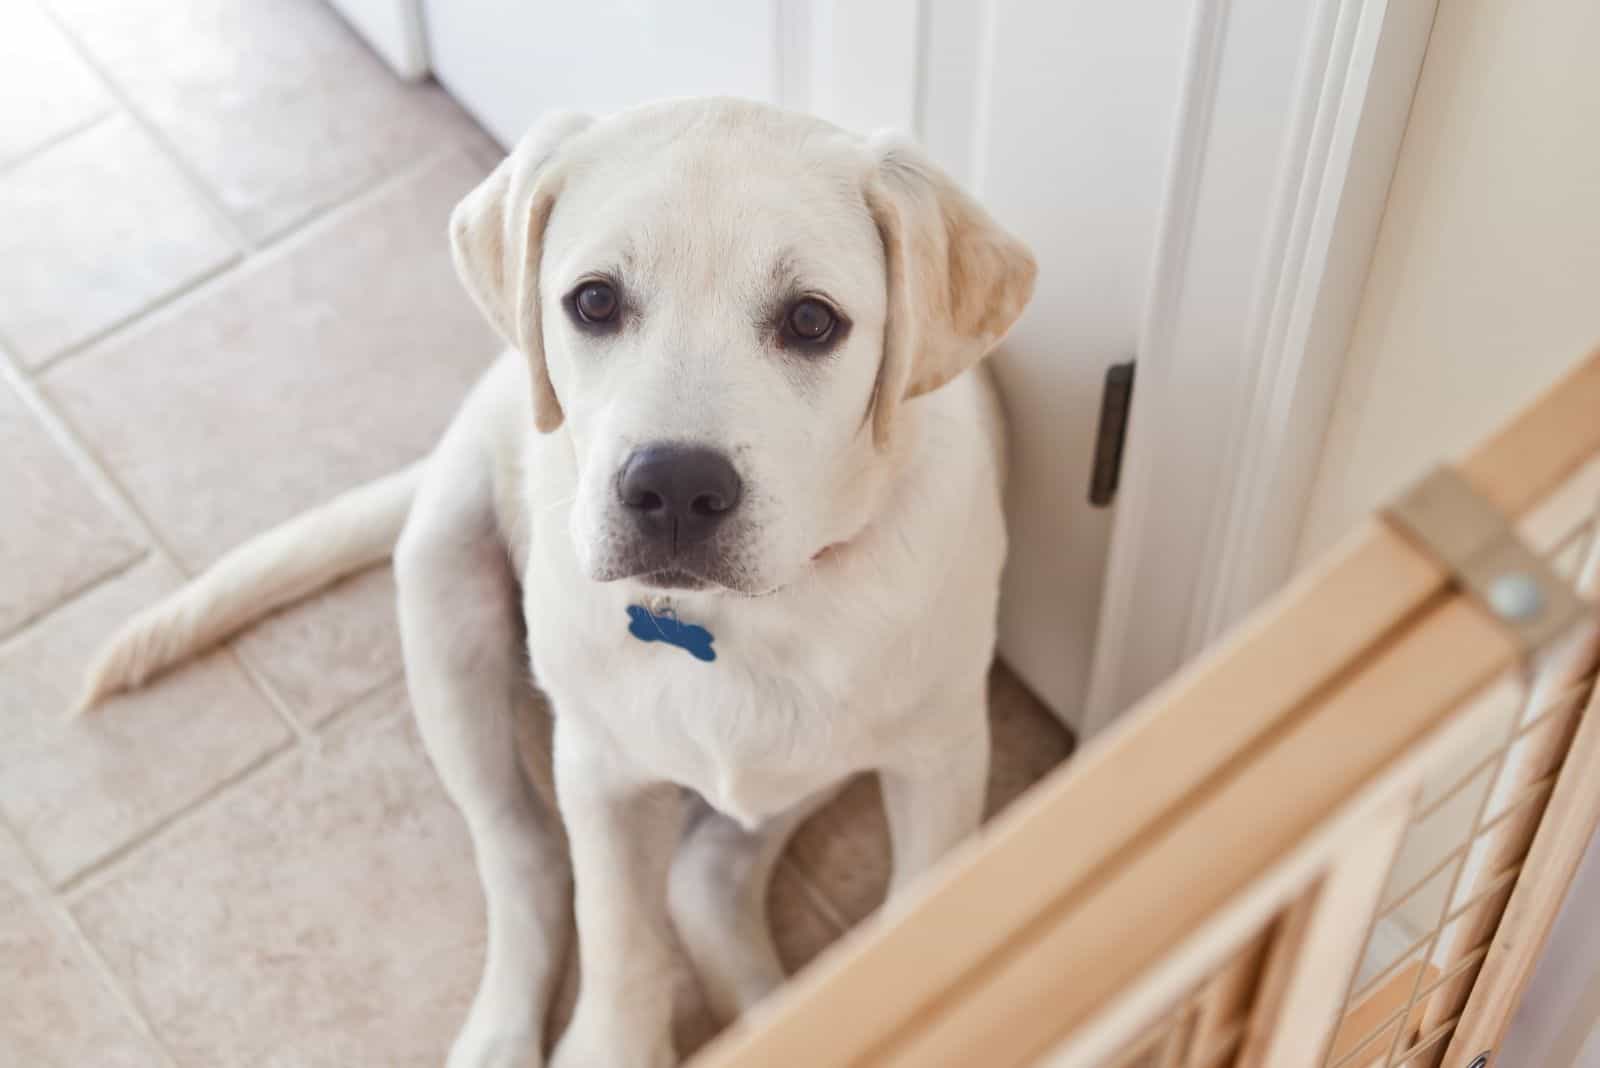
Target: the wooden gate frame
(1272, 778)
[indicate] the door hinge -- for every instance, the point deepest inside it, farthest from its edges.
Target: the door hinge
(1116, 400)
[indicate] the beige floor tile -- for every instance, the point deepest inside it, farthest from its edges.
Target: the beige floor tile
(45, 89)
(56, 536)
(844, 850)
(338, 359)
(800, 928)
(278, 106)
(58, 1012)
(76, 791)
(326, 912)
(92, 230)
(338, 646)
(1029, 742)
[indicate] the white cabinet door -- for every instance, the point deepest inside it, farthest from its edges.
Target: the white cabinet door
(508, 61)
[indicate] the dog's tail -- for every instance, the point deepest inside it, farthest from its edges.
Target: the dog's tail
(355, 530)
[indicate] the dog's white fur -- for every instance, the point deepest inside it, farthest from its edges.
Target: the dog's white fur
(854, 615)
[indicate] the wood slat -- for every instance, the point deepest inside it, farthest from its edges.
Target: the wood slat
(1225, 1004)
(1303, 995)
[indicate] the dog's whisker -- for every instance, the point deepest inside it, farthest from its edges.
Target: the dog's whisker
(553, 505)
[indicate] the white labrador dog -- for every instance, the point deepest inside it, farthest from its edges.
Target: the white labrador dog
(750, 564)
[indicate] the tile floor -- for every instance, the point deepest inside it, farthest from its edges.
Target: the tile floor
(221, 238)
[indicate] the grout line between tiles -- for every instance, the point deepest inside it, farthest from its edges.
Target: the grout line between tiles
(313, 732)
(319, 219)
(311, 219)
(65, 134)
(83, 459)
(110, 490)
(227, 266)
(235, 233)
(42, 888)
(37, 619)
(243, 265)
(113, 985)
(92, 876)
(46, 899)
(246, 250)
(302, 734)
(87, 879)
(97, 873)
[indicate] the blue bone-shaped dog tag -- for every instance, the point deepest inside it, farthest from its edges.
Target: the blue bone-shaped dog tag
(647, 626)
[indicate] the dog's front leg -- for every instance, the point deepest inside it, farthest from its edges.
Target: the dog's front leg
(465, 668)
(935, 800)
(623, 833)
(718, 897)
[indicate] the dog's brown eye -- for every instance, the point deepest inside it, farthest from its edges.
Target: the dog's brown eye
(596, 302)
(810, 320)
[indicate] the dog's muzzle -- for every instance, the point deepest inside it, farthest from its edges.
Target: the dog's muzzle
(680, 501)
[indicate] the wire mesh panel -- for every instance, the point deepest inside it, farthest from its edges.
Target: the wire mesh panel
(1476, 816)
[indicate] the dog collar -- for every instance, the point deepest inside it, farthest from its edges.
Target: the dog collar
(657, 621)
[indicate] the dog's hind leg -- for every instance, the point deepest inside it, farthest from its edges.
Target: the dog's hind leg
(718, 896)
(465, 664)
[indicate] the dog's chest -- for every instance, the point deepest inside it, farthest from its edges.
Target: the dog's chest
(753, 748)
(768, 723)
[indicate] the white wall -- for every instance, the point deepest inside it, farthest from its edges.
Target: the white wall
(1485, 283)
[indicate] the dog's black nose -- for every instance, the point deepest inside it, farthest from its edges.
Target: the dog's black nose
(681, 492)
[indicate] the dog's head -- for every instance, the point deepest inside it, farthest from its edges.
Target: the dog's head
(726, 305)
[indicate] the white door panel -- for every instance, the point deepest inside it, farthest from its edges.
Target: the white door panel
(1060, 116)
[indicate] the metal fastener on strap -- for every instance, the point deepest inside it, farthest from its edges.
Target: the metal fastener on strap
(1450, 521)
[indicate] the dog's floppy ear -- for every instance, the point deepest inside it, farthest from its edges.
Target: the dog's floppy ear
(957, 280)
(496, 233)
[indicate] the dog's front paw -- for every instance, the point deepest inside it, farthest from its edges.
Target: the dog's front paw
(611, 1047)
(483, 1048)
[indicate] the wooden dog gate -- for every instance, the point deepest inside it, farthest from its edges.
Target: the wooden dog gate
(1338, 841)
